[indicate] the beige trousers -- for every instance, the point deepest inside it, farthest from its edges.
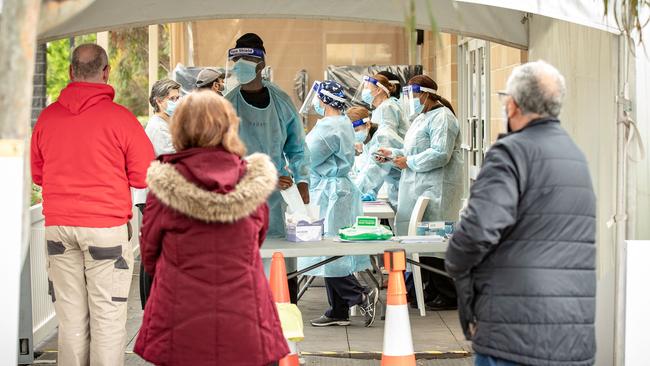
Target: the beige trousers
(90, 270)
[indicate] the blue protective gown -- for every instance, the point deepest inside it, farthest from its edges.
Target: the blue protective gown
(278, 132)
(435, 168)
(392, 127)
(331, 146)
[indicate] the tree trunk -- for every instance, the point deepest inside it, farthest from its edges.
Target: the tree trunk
(17, 53)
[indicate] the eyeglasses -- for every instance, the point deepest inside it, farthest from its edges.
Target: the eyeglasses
(503, 96)
(174, 98)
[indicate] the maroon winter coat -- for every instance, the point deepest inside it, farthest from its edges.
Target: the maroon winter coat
(204, 223)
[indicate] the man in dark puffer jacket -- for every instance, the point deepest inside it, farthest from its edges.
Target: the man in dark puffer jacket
(523, 256)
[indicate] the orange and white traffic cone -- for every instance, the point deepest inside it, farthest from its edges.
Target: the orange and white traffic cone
(398, 342)
(280, 290)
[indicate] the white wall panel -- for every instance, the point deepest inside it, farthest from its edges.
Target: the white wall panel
(588, 60)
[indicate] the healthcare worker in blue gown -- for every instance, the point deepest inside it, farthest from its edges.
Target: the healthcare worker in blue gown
(331, 145)
(392, 126)
(269, 124)
(432, 165)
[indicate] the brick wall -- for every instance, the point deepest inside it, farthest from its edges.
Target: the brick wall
(440, 61)
(39, 99)
(503, 60)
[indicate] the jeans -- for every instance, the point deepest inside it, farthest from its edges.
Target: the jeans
(483, 360)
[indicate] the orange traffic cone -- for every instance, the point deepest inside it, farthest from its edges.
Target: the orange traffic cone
(398, 343)
(280, 290)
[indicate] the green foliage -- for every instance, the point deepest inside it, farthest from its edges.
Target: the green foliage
(58, 62)
(37, 197)
(128, 57)
(631, 17)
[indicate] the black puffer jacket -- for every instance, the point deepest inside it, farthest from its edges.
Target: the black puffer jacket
(523, 256)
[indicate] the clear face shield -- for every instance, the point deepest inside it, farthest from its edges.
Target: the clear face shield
(368, 89)
(411, 103)
(313, 104)
(312, 97)
(242, 66)
(361, 130)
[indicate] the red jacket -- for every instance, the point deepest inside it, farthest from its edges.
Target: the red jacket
(205, 220)
(86, 153)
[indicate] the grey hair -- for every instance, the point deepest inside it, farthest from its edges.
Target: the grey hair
(537, 88)
(87, 66)
(160, 90)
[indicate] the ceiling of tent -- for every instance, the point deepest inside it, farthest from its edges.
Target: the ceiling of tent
(589, 13)
(469, 19)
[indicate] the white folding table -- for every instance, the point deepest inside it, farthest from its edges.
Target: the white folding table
(329, 247)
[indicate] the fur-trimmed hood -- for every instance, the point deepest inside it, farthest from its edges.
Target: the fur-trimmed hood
(176, 191)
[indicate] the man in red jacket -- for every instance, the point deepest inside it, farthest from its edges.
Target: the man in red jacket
(86, 152)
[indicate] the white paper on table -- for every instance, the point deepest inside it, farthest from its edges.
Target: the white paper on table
(293, 199)
(313, 210)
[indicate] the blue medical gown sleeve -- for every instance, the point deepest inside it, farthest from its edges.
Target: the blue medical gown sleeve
(442, 138)
(295, 150)
(321, 150)
(372, 177)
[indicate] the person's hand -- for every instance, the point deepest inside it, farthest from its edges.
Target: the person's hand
(303, 188)
(385, 152)
(400, 162)
(472, 329)
(285, 182)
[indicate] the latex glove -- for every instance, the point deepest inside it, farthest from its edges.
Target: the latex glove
(303, 188)
(285, 182)
(368, 197)
(400, 162)
(385, 152)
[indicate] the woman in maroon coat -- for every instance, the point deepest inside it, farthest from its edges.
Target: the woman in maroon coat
(204, 223)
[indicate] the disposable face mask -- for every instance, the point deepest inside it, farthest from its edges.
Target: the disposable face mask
(366, 96)
(361, 136)
(171, 107)
(245, 71)
(318, 108)
(419, 107)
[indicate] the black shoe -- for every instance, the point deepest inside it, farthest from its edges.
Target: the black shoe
(440, 304)
(325, 321)
(369, 307)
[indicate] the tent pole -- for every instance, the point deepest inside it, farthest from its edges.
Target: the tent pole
(621, 204)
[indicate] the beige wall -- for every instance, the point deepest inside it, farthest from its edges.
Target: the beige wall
(588, 60)
(292, 45)
(442, 61)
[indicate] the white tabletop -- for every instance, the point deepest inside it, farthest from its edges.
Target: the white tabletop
(329, 248)
(378, 209)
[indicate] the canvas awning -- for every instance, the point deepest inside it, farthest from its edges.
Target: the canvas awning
(487, 22)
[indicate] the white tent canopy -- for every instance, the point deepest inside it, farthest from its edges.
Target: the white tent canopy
(492, 23)
(589, 13)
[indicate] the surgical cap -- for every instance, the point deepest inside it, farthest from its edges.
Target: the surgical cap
(334, 88)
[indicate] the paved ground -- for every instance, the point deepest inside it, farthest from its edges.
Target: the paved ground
(437, 338)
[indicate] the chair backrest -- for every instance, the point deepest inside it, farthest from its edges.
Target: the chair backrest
(417, 214)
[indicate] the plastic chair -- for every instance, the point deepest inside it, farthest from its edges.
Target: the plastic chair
(416, 217)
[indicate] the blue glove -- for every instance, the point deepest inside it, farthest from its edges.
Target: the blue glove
(370, 196)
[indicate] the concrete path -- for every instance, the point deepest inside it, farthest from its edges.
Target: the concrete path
(437, 338)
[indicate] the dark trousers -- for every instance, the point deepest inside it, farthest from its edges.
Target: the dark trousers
(342, 293)
(145, 279)
(435, 284)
